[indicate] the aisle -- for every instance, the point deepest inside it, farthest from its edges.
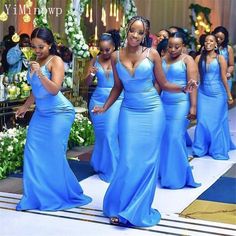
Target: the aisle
(89, 220)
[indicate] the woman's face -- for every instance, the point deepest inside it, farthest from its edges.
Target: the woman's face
(220, 37)
(41, 48)
(162, 34)
(106, 49)
(175, 47)
(136, 33)
(210, 43)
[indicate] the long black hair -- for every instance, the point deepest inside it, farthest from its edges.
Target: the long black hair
(203, 57)
(46, 35)
(113, 36)
(221, 29)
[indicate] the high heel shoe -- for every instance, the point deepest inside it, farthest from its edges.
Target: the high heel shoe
(114, 220)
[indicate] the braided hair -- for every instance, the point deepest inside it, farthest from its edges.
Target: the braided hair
(145, 26)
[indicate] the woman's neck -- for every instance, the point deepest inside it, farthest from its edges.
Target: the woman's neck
(211, 53)
(133, 49)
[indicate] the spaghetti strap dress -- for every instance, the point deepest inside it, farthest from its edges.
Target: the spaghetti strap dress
(141, 125)
(106, 148)
(175, 171)
(212, 135)
(49, 183)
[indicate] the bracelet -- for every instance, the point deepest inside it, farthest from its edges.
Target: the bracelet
(92, 74)
(183, 89)
(230, 99)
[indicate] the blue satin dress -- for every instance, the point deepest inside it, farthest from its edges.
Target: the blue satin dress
(106, 149)
(224, 52)
(175, 171)
(212, 136)
(141, 125)
(49, 183)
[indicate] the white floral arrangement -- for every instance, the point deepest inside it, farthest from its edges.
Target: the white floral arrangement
(12, 143)
(40, 19)
(68, 80)
(130, 9)
(74, 33)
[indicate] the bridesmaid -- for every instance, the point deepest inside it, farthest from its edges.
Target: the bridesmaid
(49, 183)
(130, 195)
(212, 136)
(175, 171)
(226, 51)
(106, 149)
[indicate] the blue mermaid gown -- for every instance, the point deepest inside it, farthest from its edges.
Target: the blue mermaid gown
(141, 124)
(212, 136)
(49, 183)
(175, 171)
(224, 52)
(106, 149)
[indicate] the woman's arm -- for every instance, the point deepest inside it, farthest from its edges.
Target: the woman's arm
(56, 67)
(192, 74)
(92, 70)
(160, 77)
(223, 67)
(230, 69)
(25, 107)
(116, 90)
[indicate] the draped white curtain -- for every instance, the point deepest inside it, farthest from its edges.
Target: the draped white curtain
(165, 13)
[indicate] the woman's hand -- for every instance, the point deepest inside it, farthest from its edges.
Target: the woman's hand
(192, 113)
(93, 70)
(192, 84)
(34, 66)
(98, 110)
(21, 112)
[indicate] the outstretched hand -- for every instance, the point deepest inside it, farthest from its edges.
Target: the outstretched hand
(98, 110)
(192, 84)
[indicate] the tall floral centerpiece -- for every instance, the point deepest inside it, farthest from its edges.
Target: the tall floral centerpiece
(41, 18)
(79, 48)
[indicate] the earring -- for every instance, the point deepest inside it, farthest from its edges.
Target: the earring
(216, 48)
(49, 48)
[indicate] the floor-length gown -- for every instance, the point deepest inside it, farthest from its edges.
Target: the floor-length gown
(175, 171)
(106, 148)
(141, 125)
(49, 183)
(212, 136)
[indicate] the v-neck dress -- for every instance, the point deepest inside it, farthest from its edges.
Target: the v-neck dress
(106, 148)
(49, 183)
(141, 125)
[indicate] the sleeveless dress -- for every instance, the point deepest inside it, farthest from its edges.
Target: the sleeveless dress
(224, 52)
(212, 136)
(49, 183)
(141, 125)
(106, 148)
(175, 171)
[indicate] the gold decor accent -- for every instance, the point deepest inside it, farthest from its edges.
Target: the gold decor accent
(3, 16)
(28, 3)
(15, 38)
(94, 51)
(26, 18)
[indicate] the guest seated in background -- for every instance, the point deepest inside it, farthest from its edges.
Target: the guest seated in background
(15, 56)
(66, 55)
